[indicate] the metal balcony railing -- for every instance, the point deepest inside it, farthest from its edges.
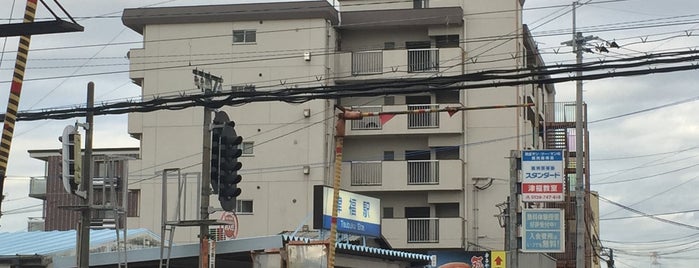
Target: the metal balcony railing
(423, 60)
(367, 123)
(423, 120)
(365, 173)
(562, 112)
(423, 172)
(423, 230)
(367, 62)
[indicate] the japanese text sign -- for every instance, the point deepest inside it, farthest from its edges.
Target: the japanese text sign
(543, 230)
(356, 214)
(542, 176)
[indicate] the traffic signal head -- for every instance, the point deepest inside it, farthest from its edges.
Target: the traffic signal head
(229, 167)
(225, 151)
(72, 158)
(215, 157)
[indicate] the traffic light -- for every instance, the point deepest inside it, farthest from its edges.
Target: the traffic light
(225, 151)
(72, 158)
(215, 156)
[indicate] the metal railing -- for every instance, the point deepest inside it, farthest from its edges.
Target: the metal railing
(423, 120)
(561, 111)
(423, 172)
(367, 62)
(365, 173)
(423, 60)
(423, 230)
(367, 123)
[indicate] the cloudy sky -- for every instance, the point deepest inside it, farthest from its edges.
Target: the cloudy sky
(646, 160)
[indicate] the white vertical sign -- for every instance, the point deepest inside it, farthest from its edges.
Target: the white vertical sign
(542, 176)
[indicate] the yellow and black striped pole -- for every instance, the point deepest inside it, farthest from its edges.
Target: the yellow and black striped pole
(13, 103)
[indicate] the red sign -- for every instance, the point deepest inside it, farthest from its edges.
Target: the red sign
(229, 231)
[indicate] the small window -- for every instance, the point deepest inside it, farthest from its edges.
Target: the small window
(420, 4)
(243, 207)
(389, 100)
(388, 156)
(244, 36)
(248, 148)
(388, 213)
(389, 45)
(447, 40)
(133, 202)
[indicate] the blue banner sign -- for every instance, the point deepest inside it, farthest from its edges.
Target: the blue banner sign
(543, 230)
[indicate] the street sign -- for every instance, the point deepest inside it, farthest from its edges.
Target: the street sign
(498, 259)
(229, 231)
(543, 230)
(542, 176)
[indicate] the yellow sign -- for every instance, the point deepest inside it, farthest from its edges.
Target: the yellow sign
(498, 259)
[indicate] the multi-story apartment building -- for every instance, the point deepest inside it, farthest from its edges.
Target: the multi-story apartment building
(439, 176)
(110, 178)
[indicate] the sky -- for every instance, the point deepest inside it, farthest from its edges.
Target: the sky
(643, 129)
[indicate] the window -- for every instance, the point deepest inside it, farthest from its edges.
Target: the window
(389, 45)
(243, 207)
(447, 40)
(420, 4)
(449, 96)
(388, 156)
(244, 36)
(248, 148)
(388, 212)
(133, 199)
(447, 152)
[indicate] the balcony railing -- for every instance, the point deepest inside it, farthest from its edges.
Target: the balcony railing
(367, 62)
(423, 60)
(368, 123)
(423, 172)
(423, 230)
(365, 173)
(423, 120)
(562, 112)
(37, 187)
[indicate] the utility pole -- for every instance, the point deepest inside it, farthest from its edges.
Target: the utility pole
(577, 43)
(513, 247)
(85, 212)
(208, 84)
(205, 191)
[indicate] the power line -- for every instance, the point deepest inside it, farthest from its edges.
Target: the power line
(648, 215)
(658, 214)
(296, 95)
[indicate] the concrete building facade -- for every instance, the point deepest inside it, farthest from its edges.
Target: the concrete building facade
(439, 176)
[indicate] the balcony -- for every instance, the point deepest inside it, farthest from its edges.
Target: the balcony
(37, 187)
(418, 123)
(135, 124)
(383, 64)
(136, 57)
(415, 233)
(411, 175)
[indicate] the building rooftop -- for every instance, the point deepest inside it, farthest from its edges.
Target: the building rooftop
(137, 18)
(62, 243)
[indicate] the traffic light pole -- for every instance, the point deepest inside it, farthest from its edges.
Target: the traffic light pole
(205, 190)
(85, 212)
